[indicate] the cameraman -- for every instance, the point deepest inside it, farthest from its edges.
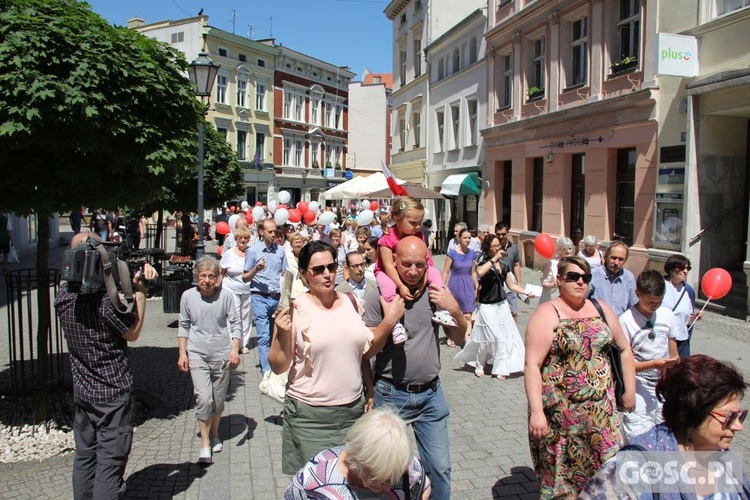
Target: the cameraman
(97, 337)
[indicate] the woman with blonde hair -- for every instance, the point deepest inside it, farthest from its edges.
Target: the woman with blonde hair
(591, 252)
(376, 459)
(563, 248)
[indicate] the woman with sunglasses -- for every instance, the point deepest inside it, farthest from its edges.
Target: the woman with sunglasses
(680, 298)
(230, 279)
(323, 338)
(574, 425)
(702, 413)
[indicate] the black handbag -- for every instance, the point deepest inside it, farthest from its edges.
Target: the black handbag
(615, 361)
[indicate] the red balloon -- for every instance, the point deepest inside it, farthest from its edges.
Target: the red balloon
(258, 203)
(294, 215)
(302, 207)
(222, 228)
(249, 218)
(310, 216)
(233, 209)
(716, 283)
(545, 245)
(220, 250)
(373, 205)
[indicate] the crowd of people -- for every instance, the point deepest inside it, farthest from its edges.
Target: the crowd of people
(350, 316)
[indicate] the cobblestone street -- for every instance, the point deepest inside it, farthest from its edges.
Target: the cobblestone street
(489, 447)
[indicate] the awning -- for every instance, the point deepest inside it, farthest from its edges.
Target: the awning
(458, 184)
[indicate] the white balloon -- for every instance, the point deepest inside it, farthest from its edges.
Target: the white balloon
(272, 206)
(365, 217)
(281, 216)
(365, 205)
(259, 214)
(326, 218)
(244, 205)
(313, 205)
(284, 196)
(233, 222)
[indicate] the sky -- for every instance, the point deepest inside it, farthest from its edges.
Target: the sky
(352, 33)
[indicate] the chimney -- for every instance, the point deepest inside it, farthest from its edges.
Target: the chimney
(135, 22)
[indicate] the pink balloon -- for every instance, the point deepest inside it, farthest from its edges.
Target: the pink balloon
(302, 207)
(258, 203)
(294, 215)
(716, 283)
(545, 245)
(233, 209)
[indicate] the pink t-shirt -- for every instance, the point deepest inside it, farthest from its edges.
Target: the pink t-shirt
(329, 347)
(391, 241)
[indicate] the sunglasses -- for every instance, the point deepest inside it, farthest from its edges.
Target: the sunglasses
(651, 334)
(318, 270)
(573, 277)
(680, 269)
(729, 418)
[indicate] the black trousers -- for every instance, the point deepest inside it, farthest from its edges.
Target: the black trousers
(104, 436)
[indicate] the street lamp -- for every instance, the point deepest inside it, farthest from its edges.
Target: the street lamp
(202, 73)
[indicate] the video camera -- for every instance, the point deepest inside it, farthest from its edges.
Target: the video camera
(84, 266)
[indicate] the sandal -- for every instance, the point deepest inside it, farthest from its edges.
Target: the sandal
(450, 343)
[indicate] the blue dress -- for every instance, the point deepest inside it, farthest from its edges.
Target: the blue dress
(460, 282)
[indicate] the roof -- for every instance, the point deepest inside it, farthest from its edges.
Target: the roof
(385, 78)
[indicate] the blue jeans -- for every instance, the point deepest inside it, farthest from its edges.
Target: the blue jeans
(263, 309)
(427, 412)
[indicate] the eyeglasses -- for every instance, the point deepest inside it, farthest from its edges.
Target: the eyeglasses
(355, 266)
(207, 277)
(680, 269)
(729, 418)
(318, 270)
(573, 277)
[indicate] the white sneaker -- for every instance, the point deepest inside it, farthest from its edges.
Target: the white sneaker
(399, 334)
(205, 456)
(216, 445)
(263, 386)
(443, 317)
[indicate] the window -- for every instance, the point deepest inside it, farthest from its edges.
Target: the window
(337, 157)
(628, 29)
(440, 70)
(222, 52)
(314, 148)
(314, 110)
(456, 60)
(260, 96)
(178, 37)
(473, 50)
(417, 57)
(242, 57)
(329, 115)
(299, 101)
(416, 126)
(537, 64)
(261, 63)
(260, 145)
(299, 148)
(724, 6)
(224, 132)
(338, 123)
(241, 145)
(506, 91)
(579, 52)
(456, 125)
(287, 151)
(241, 91)
(537, 196)
(440, 118)
(287, 104)
(221, 89)
(328, 156)
(472, 108)
(402, 59)
(417, 5)
(402, 130)
(577, 191)
(403, 18)
(625, 195)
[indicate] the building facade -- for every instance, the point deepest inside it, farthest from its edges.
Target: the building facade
(370, 123)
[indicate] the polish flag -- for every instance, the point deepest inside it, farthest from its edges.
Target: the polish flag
(391, 180)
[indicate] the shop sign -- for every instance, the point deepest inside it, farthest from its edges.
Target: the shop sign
(676, 55)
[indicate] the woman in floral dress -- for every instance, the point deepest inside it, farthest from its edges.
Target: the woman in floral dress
(574, 425)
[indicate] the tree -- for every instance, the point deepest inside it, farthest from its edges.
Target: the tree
(89, 114)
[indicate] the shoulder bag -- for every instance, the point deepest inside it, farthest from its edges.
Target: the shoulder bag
(615, 361)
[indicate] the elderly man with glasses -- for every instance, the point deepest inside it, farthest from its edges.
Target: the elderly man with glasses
(356, 282)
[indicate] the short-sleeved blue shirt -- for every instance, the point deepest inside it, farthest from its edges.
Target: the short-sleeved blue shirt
(267, 279)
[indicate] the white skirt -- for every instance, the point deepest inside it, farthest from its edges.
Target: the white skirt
(494, 339)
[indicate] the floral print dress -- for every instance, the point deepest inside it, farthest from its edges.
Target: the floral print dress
(579, 403)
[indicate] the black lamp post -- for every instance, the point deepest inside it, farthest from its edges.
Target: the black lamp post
(202, 74)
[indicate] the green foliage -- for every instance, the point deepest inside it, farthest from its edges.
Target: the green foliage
(89, 113)
(533, 90)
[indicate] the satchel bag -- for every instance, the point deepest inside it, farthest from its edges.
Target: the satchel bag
(615, 360)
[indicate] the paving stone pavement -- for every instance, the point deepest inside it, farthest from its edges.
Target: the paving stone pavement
(489, 446)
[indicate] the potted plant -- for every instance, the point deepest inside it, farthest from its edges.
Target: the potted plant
(338, 166)
(328, 164)
(624, 64)
(316, 164)
(535, 93)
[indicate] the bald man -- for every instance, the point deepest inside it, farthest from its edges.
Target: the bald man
(97, 337)
(406, 375)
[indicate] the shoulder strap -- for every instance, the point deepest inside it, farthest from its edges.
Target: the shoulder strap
(600, 310)
(556, 312)
(109, 282)
(353, 299)
(684, 289)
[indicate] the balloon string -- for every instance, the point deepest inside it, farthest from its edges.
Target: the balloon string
(701, 312)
